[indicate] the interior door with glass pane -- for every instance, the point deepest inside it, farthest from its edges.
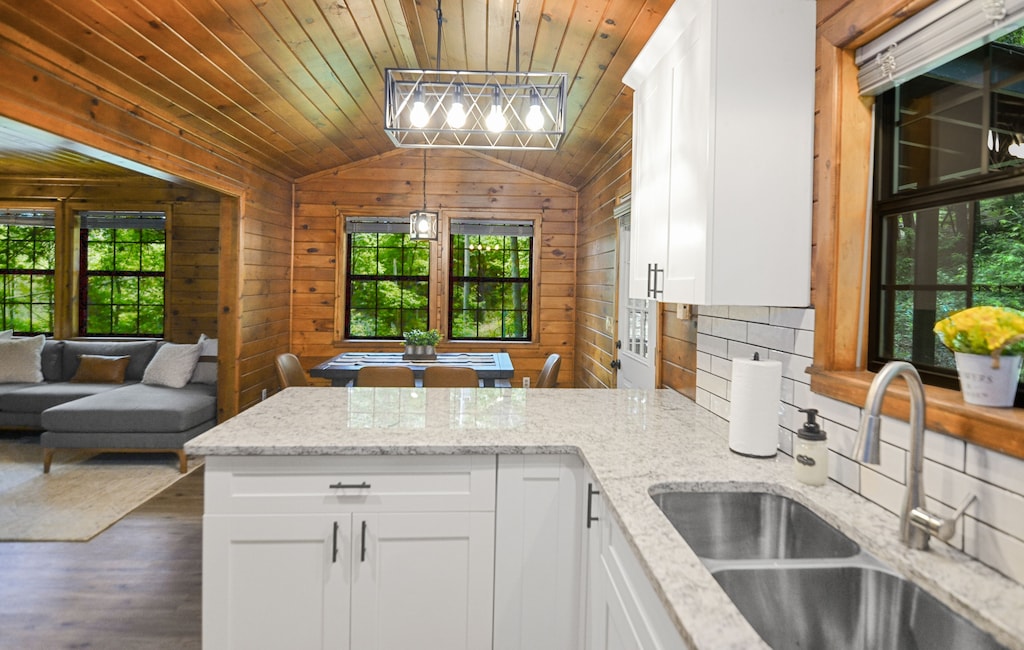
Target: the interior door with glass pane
(637, 326)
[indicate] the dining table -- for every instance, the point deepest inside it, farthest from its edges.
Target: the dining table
(493, 368)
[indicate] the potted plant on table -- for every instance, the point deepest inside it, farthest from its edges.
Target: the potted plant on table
(419, 344)
(988, 344)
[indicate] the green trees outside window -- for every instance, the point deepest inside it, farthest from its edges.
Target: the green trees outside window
(122, 277)
(388, 280)
(948, 224)
(27, 256)
(491, 279)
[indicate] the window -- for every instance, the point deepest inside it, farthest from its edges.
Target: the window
(387, 280)
(121, 274)
(491, 280)
(27, 256)
(948, 229)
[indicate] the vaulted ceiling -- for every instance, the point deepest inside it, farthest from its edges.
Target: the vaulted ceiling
(296, 86)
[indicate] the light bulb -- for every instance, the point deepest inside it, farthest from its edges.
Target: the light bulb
(419, 115)
(496, 121)
(456, 113)
(423, 226)
(534, 118)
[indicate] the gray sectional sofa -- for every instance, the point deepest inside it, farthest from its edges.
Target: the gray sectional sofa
(129, 416)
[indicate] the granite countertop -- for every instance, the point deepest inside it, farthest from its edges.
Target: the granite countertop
(631, 441)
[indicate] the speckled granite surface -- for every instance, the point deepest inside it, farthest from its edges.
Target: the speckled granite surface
(632, 441)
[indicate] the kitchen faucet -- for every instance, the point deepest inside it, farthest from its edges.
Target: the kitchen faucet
(916, 523)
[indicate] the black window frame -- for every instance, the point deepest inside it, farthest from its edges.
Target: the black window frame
(889, 201)
(511, 229)
(119, 221)
(388, 225)
(42, 219)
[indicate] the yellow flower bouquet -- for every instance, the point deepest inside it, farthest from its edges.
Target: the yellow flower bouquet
(993, 331)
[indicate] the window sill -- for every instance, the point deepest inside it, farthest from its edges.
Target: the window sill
(999, 429)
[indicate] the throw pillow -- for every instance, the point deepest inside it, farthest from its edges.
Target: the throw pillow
(21, 359)
(100, 369)
(172, 365)
(206, 369)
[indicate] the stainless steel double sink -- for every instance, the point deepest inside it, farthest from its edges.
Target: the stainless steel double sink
(801, 583)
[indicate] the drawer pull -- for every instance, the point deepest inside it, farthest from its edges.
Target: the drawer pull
(362, 551)
(334, 558)
(340, 486)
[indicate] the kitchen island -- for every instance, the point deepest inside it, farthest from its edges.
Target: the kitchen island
(629, 442)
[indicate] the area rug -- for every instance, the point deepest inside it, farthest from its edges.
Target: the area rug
(84, 493)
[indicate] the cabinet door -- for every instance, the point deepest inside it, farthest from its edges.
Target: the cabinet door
(688, 235)
(276, 581)
(538, 564)
(422, 580)
(649, 196)
(624, 613)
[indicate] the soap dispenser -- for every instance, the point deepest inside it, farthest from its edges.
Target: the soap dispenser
(810, 451)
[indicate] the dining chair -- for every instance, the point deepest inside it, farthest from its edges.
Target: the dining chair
(549, 373)
(450, 377)
(289, 370)
(400, 376)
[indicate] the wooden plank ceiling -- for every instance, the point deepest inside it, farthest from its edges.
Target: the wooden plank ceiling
(296, 86)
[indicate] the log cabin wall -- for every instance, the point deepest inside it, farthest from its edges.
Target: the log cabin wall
(191, 294)
(391, 185)
(49, 91)
(596, 287)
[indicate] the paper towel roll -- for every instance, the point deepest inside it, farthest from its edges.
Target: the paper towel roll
(754, 410)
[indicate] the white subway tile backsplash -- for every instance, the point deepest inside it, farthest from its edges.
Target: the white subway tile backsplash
(769, 336)
(844, 471)
(996, 549)
(804, 343)
(750, 314)
(714, 310)
(721, 367)
(704, 361)
(734, 330)
(789, 317)
(712, 345)
(994, 528)
(993, 467)
(881, 489)
(713, 384)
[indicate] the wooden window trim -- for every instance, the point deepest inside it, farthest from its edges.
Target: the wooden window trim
(842, 177)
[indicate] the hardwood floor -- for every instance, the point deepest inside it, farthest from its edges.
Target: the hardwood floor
(135, 585)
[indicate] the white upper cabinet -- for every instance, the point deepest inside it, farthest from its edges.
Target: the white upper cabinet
(723, 128)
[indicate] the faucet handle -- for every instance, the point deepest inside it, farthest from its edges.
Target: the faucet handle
(937, 526)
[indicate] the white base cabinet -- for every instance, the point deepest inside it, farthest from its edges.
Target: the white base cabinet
(401, 554)
(623, 611)
(538, 571)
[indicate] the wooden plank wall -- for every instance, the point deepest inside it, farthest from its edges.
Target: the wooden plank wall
(595, 302)
(391, 185)
(47, 90)
(596, 289)
(192, 238)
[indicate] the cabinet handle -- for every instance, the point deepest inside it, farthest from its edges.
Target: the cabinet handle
(334, 557)
(590, 504)
(340, 486)
(655, 292)
(650, 273)
(362, 551)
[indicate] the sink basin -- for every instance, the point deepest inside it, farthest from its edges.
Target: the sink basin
(752, 526)
(846, 607)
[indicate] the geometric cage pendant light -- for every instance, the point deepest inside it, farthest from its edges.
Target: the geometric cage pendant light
(465, 109)
(423, 224)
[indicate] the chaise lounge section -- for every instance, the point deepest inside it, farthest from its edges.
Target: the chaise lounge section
(141, 411)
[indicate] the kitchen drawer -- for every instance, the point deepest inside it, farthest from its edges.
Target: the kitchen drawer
(328, 484)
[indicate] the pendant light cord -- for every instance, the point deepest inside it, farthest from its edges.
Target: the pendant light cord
(440, 19)
(424, 180)
(517, 16)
